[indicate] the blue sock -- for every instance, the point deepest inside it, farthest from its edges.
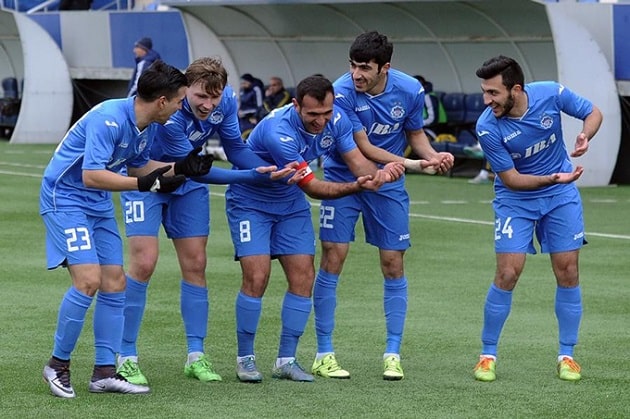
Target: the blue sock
(108, 325)
(295, 312)
(194, 307)
(135, 301)
(496, 312)
(70, 321)
(569, 314)
(395, 306)
(324, 303)
(248, 311)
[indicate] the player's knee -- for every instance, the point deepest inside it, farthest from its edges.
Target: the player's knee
(506, 279)
(88, 286)
(568, 277)
(141, 268)
(254, 284)
(195, 264)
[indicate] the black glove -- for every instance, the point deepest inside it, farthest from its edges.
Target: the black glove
(157, 182)
(194, 164)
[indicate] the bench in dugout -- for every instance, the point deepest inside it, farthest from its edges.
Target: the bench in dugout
(9, 106)
(458, 136)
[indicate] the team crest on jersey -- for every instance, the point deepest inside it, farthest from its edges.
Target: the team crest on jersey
(546, 121)
(326, 141)
(216, 117)
(397, 112)
(142, 145)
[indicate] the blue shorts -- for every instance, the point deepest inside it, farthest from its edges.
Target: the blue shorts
(270, 228)
(183, 216)
(385, 218)
(74, 238)
(557, 221)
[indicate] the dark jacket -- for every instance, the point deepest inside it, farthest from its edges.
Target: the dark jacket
(142, 63)
(276, 100)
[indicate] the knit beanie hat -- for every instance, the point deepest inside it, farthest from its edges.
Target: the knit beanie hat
(248, 77)
(144, 43)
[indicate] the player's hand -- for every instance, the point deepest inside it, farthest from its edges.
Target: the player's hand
(568, 177)
(393, 170)
(194, 164)
(289, 169)
(446, 161)
(299, 175)
(581, 145)
(273, 173)
(157, 182)
(369, 183)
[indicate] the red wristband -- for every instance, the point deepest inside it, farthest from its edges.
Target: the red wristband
(309, 174)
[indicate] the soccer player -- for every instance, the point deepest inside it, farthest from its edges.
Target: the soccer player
(520, 133)
(209, 109)
(275, 222)
(78, 212)
(386, 110)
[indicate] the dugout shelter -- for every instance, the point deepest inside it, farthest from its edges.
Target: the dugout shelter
(82, 57)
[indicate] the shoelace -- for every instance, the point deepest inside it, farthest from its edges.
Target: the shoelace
(484, 363)
(63, 375)
(130, 368)
(249, 365)
(393, 364)
(294, 365)
(331, 363)
(571, 364)
(204, 363)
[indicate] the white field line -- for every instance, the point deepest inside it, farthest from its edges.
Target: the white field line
(411, 214)
(30, 166)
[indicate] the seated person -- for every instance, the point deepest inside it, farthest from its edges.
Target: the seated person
(276, 96)
(250, 98)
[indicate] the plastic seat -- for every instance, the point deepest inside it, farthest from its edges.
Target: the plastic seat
(455, 107)
(474, 105)
(466, 137)
(10, 87)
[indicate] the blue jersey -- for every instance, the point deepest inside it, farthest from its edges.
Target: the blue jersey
(105, 138)
(183, 131)
(280, 138)
(384, 117)
(532, 144)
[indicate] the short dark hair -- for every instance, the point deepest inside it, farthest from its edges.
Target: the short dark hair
(160, 79)
(507, 67)
(372, 46)
(317, 87)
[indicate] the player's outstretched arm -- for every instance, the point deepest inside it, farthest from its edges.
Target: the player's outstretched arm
(517, 181)
(259, 175)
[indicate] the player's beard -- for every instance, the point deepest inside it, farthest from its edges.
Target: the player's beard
(507, 106)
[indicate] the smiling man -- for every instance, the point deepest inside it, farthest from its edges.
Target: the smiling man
(275, 222)
(81, 232)
(521, 135)
(209, 108)
(385, 107)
